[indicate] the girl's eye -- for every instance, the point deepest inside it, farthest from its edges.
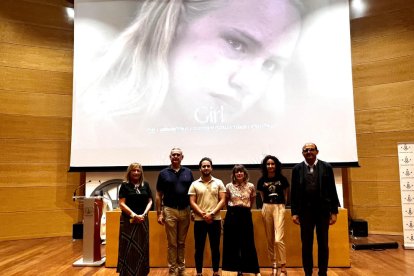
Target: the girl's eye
(236, 45)
(270, 66)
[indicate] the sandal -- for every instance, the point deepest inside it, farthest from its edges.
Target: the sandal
(274, 270)
(283, 273)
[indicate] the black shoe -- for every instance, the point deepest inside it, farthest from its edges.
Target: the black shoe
(239, 273)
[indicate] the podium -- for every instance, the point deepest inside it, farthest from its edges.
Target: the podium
(92, 213)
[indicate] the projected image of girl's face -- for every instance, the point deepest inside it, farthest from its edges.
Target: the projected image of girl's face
(223, 63)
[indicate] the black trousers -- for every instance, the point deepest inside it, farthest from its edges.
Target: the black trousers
(239, 250)
(201, 229)
(310, 219)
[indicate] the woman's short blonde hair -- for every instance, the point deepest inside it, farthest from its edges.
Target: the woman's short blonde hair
(134, 166)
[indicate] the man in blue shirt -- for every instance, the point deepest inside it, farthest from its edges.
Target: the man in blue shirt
(173, 209)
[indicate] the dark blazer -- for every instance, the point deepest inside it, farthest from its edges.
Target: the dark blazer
(326, 180)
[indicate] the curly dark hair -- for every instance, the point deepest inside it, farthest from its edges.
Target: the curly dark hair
(277, 163)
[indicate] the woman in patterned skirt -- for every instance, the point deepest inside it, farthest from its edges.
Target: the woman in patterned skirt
(135, 201)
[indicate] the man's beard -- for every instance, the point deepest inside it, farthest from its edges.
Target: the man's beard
(206, 174)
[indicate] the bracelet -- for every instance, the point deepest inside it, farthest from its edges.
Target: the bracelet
(132, 215)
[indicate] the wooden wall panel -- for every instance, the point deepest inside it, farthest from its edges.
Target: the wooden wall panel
(372, 194)
(37, 198)
(37, 58)
(386, 119)
(379, 168)
(45, 104)
(30, 80)
(58, 3)
(394, 45)
(381, 219)
(21, 126)
(37, 224)
(380, 7)
(384, 95)
(396, 21)
(19, 175)
(383, 71)
(382, 143)
(34, 151)
(25, 34)
(52, 16)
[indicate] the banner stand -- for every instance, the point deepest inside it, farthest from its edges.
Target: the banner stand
(406, 169)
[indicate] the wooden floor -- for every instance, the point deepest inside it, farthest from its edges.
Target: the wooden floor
(54, 256)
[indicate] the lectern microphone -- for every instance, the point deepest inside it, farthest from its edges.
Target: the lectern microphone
(80, 186)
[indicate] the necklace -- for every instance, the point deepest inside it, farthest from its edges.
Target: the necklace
(136, 188)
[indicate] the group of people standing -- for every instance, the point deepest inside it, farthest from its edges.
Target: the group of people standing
(180, 198)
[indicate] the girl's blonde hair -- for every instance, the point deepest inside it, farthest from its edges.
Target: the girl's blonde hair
(135, 75)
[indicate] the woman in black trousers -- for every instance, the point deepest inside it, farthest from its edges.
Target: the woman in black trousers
(239, 250)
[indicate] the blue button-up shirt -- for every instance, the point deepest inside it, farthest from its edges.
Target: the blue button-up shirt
(174, 185)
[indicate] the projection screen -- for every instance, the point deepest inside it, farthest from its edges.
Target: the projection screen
(233, 80)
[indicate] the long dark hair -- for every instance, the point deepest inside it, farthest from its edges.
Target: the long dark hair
(278, 172)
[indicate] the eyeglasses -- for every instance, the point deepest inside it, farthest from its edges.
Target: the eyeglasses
(308, 150)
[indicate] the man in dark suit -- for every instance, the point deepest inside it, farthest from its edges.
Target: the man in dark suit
(314, 203)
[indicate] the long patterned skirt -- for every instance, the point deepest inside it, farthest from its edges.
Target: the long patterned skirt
(133, 254)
